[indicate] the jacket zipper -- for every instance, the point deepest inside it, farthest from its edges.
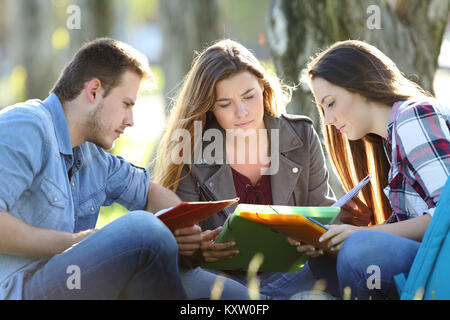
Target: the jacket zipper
(210, 196)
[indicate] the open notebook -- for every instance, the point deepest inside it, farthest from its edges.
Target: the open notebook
(187, 214)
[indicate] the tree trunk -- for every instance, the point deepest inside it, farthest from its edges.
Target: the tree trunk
(188, 27)
(410, 32)
(31, 26)
(95, 22)
(29, 43)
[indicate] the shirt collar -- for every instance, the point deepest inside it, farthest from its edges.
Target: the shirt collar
(54, 106)
(394, 111)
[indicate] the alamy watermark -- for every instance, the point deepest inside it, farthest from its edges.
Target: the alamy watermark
(374, 19)
(73, 22)
(373, 282)
(214, 153)
(74, 280)
(374, 279)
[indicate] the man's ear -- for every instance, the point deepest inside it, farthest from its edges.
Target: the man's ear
(93, 90)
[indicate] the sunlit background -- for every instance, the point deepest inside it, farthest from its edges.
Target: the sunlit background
(36, 43)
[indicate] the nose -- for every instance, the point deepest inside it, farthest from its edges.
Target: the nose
(129, 119)
(241, 109)
(328, 117)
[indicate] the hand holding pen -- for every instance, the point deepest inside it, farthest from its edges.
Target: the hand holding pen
(354, 214)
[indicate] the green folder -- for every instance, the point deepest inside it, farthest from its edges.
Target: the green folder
(252, 238)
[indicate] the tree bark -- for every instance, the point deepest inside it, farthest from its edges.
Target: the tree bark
(188, 27)
(410, 32)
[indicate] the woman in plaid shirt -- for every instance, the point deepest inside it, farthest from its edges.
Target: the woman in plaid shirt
(377, 122)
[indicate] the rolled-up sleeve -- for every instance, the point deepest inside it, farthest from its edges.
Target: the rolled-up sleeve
(126, 184)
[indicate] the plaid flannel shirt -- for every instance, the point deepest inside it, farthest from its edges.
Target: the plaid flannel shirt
(418, 147)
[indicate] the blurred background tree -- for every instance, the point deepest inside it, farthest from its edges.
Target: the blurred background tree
(39, 43)
(187, 27)
(408, 31)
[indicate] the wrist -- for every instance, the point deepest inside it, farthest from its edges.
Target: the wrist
(362, 228)
(65, 241)
(48, 242)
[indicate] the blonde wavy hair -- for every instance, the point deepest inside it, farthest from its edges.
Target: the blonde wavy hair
(197, 96)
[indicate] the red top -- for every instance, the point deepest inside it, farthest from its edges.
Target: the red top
(260, 193)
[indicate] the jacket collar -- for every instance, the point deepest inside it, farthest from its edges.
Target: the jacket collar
(288, 139)
(218, 178)
(285, 179)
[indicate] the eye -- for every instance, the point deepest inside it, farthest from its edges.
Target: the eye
(331, 104)
(249, 97)
(224, 105)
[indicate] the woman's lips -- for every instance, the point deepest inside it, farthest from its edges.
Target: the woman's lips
(341, 128)
(244, 124)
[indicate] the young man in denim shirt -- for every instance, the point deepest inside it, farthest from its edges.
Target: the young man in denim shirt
(55, 176)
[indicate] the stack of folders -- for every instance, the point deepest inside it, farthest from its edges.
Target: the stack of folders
(261, 229)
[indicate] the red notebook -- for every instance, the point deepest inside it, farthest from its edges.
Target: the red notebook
(187, 214)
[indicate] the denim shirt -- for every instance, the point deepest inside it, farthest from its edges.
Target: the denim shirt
(36, 157)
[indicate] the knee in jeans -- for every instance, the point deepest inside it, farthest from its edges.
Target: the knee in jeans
(358, 246)
(151, 232)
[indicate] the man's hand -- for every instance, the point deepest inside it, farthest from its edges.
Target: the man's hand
(188, 239)
(77, 237)
(19, 238)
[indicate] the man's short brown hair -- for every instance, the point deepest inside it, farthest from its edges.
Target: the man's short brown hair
(105, 59)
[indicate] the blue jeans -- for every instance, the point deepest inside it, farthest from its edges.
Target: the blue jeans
(133, 257)
(367, 263)
(273, 285)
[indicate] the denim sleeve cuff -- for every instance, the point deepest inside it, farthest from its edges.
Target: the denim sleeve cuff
(3, 206)
(135, 195)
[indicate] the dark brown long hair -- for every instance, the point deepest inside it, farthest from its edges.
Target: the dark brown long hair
(361, 68)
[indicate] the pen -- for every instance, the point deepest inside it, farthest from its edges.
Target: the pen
(352, 193)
